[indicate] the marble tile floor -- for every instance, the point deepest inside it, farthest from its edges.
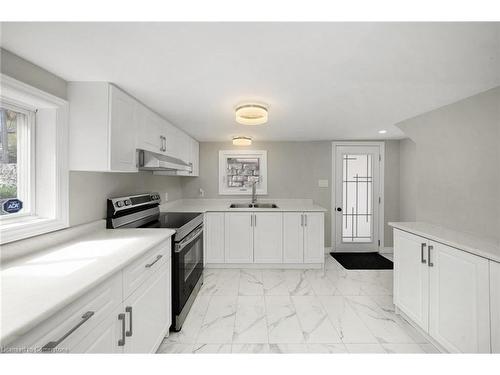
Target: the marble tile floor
(332, 310)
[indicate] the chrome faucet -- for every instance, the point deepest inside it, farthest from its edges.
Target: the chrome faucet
(254, 196)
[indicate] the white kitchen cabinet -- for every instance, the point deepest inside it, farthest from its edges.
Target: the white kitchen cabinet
(314, 237)
(148, 315)
(411, 281)
(103, 338)
(214, 237)
(443, 290)
(495, 306)
(152, 131)
(103, 124)
(268, 237)
(238, 237)
(293, 237)
(459, 299)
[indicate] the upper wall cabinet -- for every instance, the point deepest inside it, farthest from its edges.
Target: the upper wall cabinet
(103, 123)
(107, 126)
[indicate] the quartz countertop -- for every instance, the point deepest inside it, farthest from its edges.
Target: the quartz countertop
(485, 247)
(218, 205)
(38, 285)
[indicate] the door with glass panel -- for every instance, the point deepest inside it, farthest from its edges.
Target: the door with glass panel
(357, 170)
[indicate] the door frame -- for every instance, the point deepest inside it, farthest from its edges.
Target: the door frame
(381, 222)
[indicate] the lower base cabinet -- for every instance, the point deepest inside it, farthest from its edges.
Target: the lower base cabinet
(445, 291)
(303, 237)
(148, 315)
(102, 322)
(268, 237)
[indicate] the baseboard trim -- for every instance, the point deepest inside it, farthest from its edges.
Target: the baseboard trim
(282, 266)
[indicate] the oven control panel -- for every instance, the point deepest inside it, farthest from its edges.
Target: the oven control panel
(122, 203)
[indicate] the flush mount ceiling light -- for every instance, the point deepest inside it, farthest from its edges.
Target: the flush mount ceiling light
(382, 131)
(251, 114)
(242, 141)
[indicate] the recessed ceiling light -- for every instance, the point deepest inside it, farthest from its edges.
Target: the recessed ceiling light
(382, 131)
(242, 141)
(251, 114)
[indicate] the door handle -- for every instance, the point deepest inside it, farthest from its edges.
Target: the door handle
(121, 317)
(429, 248)
(158, 257)
(52, 344)
(422, 247)
(128, 309)
(339, 209)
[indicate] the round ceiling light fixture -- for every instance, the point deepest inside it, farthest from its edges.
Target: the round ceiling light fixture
(242, 141)
(251, 114)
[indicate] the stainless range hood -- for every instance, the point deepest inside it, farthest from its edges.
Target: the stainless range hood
(161, 164)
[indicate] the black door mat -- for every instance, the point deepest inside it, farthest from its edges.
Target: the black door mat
(363, 261)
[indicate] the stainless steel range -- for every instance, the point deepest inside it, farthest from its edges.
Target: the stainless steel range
(142, 211)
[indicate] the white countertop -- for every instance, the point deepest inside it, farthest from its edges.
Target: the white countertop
(218, 205)
(485, 247)
(36, 286)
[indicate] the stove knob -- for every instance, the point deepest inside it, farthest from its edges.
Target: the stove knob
(119, 203)
(127, 202)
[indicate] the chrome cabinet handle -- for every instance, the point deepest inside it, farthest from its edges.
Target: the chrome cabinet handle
(254, 220)
(52, 344)
(158, 257)
(422, 247)
(121, 317)
(429, 248)
(128, 309)
(305, 220)
(301, 220)
(251, 220)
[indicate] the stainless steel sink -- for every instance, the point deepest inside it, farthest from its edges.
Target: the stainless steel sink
(256, 205)
(265, 205)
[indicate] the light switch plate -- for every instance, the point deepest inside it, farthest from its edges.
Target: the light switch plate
(323, 183)
(166, 197)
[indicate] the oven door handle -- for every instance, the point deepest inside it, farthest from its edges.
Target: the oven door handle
(186, 242)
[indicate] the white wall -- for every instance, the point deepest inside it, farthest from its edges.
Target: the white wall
(456, 163)
(408, 180)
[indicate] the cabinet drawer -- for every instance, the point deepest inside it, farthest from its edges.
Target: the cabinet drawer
(74, 321)
(139, 271)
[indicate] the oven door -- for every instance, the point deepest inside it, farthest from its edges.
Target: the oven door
(188, 267)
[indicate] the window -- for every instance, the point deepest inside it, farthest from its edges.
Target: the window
(16, 151)
(239, 170)
(33, 161)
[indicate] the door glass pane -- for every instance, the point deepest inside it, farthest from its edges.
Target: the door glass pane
(357, 205)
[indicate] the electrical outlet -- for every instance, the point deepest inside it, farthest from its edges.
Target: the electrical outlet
(323, 183)
(202, 192)
(166, 197)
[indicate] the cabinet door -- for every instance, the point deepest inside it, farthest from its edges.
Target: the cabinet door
(103, 338)
(293, 237)
(268, 237)
(411, 277)
(214, 237)
(314, 241)
(459, 300)
(238, 235)
(123, 127)
(495, 306)
(195, 158)
(150, 130)
(148, 313)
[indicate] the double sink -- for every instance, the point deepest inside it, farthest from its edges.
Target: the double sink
(253, 205)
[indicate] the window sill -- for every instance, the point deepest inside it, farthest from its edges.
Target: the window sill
(27, 226)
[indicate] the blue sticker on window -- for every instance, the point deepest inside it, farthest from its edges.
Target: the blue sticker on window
(12, 206)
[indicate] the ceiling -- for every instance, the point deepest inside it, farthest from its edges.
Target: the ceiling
(322, 81)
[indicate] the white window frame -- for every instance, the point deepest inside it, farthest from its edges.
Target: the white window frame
(25, 161)
(260, 154)
(47, 159)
